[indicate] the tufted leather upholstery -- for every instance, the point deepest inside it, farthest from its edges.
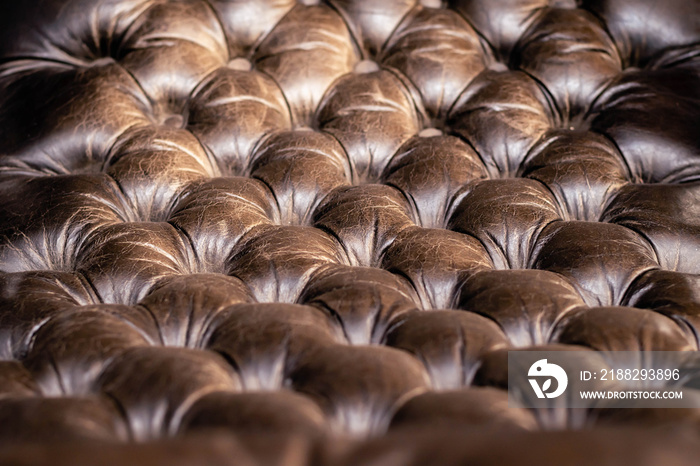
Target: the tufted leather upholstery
(281, 232)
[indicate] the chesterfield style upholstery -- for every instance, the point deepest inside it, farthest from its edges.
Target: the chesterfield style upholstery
(308, 232)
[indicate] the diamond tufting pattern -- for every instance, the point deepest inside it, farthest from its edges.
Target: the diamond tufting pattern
(281, 232)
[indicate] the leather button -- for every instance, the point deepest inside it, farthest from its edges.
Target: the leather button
(240, 64)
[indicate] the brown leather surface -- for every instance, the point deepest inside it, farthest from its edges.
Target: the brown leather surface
(279, 232)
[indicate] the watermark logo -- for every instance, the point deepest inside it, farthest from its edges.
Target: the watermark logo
(543, 370)
(612, 379)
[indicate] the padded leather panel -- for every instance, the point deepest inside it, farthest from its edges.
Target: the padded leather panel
(281, 232)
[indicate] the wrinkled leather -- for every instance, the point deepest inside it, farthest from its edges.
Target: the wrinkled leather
(280, 232)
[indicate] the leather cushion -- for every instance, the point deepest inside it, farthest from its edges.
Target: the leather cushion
(246, 231)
